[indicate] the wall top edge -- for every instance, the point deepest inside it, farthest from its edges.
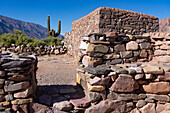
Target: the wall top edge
(109, 8)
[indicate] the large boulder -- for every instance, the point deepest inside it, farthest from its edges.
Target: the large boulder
(108, 106)
(124, 83)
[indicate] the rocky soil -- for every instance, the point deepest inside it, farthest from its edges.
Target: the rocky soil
(56, 70)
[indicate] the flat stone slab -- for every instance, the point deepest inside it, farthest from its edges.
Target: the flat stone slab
(81, 102)
(97, 71)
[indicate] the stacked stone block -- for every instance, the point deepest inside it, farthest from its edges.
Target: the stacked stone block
(17, 82)
(104, 20)
(115, 80)
(161, 47)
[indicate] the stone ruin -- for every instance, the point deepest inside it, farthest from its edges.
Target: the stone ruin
(125, 74)
(17, 82)
(104, 20)
(122, 68)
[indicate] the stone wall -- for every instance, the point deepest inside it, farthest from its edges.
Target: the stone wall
(17, 82)
(161, 46)
(114, 85)
(104, 20)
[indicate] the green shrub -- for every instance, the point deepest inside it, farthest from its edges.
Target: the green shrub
(19, 38)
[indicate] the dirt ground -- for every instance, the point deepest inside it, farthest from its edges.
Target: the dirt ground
(56, 70)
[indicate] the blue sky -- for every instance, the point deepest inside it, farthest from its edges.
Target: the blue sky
(67, 11)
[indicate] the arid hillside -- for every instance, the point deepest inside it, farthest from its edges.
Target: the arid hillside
(164, 25)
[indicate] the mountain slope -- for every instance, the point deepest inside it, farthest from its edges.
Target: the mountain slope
(164, 25)
(7, 25)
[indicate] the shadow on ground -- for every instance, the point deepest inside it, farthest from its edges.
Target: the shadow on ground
(49, 94)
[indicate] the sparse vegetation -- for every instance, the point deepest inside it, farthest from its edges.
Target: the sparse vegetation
(19, 38)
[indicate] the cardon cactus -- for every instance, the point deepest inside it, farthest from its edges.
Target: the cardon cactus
(48, 25)
(52, 32)
(59, 28)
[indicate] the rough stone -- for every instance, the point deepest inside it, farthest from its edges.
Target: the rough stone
(132, 45)
(22, 101)
(100, 81)
(163, 108)
(96, 55)
(113, 62)
(127, 97)
(165, 77)
(148, 100)
(21, 108)
(24, 93)
(140, 103)
(16, 87)
(85, 38)
(111, 56)
(148, 108)
(112, 95)
(119, 69)
(160, 52)
(149, 76)
(119, 48)
(2, 73)
(97, 48)
(108, 106)
(139, 76)
(94, 96)
(124, 83)
(129, 106)
(9, 97)
(126, 54)
(158, 97)
(143, 54)
(97, 71)
(81, 102)
(39, 108)
(145, 45)
(2, 82)
(165, 47)
(63, 106)
(14, 64)
(19, 77)
(135, 111)
(2, 91)
(95, 88)
(91, 62)
(83, 45)
(157, 87)
(153, 70)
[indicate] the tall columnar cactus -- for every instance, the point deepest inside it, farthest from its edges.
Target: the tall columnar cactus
(59, 28)
(48, 25)
(52, 32)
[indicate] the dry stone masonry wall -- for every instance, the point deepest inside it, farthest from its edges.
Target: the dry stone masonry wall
(115, 78)
(17, 82)
(161, 46)
(104, 20)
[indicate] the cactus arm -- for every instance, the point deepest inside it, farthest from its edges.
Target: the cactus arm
(59, 28)
(48, 25)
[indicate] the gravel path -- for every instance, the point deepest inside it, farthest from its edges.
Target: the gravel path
(56, 70)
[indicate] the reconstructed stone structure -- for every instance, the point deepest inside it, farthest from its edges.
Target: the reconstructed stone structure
(17, 82)
(104, 20)
(114, 82)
